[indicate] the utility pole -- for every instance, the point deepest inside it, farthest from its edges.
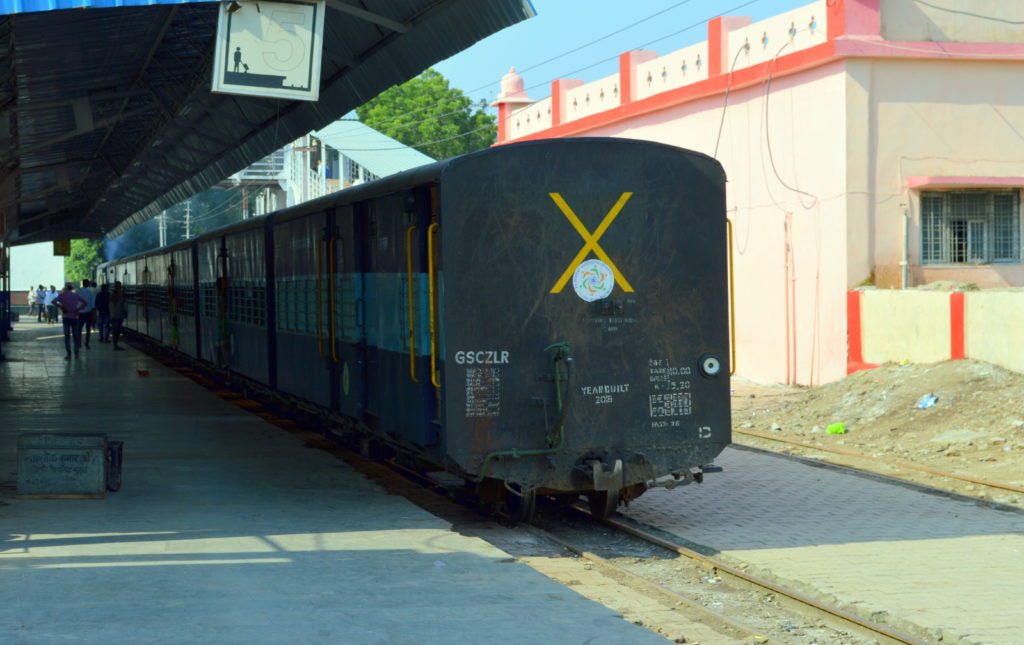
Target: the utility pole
(188, 219)
(163, 229)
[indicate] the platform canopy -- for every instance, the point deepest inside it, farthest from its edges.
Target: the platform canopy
(106, 114)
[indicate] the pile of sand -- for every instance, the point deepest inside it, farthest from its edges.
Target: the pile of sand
(975, 427)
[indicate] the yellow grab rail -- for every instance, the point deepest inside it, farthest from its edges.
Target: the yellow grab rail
(331, 314)
(412, 320)
(732, 304)
(320, 299)
(431, 275)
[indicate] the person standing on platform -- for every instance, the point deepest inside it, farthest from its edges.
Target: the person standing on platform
(51, 309)
(40, 303)
(87, 316)
(31, 301)
(103, 313)
(118, 312)
(71, 305)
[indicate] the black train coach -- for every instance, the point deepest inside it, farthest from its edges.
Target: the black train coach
(544, 318)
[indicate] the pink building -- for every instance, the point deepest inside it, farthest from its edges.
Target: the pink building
(865, 141)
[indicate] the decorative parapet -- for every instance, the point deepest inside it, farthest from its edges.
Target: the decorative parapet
(739, 54)
(530, 119)
(681, 67)
(592, 98)
(801, 28)
(643, 75)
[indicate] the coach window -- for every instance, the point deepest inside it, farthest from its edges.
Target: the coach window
(970, 227)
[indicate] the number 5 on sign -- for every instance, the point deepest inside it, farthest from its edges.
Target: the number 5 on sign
(269, 49)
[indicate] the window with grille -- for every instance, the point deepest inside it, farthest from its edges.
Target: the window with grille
(247, 303)
(970, 227)
(208, 300)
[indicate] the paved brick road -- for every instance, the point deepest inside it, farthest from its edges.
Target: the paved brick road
(940, 567)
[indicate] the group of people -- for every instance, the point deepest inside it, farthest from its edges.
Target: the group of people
(40, 303)
(81, 310)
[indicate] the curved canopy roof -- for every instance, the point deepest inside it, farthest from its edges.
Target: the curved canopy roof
(106, 114)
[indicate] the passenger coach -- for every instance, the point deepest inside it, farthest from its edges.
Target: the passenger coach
(538, 318)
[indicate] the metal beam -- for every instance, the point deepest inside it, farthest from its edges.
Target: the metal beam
(377, 19)
(46, 105)
(79, 131)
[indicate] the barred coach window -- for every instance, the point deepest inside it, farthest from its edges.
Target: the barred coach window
(970, 227)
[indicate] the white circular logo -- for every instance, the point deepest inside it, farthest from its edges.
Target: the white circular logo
(593, 280)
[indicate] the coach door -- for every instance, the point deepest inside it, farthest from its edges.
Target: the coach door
(400, 387)
(303, 257)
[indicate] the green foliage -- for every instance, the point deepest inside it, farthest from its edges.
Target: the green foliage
(85, 256)
(427, 114)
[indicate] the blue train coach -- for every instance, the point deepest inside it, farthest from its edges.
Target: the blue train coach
(544, 318)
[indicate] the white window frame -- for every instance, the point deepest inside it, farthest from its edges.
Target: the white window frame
(967, 227)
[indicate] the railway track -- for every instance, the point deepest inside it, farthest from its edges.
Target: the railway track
(838, 617)
(888, 462)
(834, 617)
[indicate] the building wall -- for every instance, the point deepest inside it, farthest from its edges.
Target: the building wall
(790, 279)
(825, 169)
(932, 326)
(905, 325)
(34, 264)
(971, 21)
(991, 332)
(931, 118)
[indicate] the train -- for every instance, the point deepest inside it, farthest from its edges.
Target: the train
(539, 319)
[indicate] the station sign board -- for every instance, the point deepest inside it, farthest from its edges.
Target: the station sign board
(62, 247)
(270, 49)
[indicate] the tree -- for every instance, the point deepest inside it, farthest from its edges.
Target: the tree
(427, 114)
(85, 256)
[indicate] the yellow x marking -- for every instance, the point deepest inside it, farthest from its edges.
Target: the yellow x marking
(591, 240)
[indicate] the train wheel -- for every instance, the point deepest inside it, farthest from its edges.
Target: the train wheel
(603, 503)
(521, 508)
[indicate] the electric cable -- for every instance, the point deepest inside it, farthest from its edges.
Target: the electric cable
(768, 136)
(570, 73)
(566, 53)
(728, 87)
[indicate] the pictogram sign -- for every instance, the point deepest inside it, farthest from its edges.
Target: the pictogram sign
(269, 49)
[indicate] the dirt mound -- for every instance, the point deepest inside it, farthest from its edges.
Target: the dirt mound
(974, 426)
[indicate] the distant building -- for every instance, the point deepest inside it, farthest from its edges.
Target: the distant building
(865, 141)
(34, 264)
(343, 154)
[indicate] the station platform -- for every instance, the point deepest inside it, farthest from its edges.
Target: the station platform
(228, 530)
(938, 566)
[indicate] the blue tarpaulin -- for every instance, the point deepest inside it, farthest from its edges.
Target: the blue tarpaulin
(29, 6)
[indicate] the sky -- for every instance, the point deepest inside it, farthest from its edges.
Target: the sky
(560, 41)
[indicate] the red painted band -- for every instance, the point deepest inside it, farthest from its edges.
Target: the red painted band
(956, 326)
(855, 353)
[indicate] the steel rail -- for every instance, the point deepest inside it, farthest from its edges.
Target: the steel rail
(690, 604)
(730, 571)
(898, 464)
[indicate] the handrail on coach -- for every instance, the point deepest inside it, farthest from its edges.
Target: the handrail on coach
(331, 314)
(320, 299)
(431, 275)
(732, 303)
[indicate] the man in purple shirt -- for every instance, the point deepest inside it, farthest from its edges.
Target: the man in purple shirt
(70, 304)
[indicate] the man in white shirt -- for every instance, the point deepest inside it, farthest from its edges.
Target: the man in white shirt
(86, 316)
(51, 309)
